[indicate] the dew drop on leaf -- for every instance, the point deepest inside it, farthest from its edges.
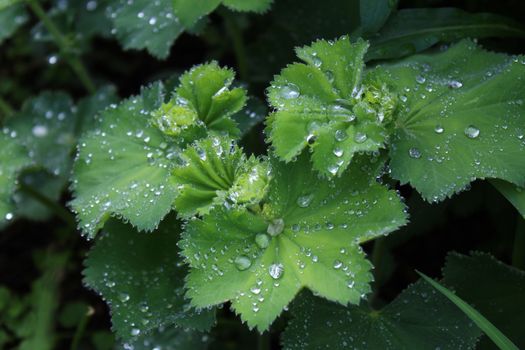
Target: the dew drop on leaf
(262, 240)
(275, 227)
(276, 270)
(9, 216)
(454, 84)
(304, 201)
(290, 91)
(338, 264)
(414, 153)
(420, 79)
(340, 135)
(338, 152)
(242, 262)
(439, 129)
(360, 137)
(471, 132)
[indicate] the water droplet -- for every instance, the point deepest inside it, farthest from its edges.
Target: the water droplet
(40, 131)
(9, 216)
(420, 79)
(338, 264)
(304, 201)
(338, 152)
(123, 297)
(310, 139)
(135, 332)
(262, 240)
(439, 129)
(275, 227)
(454, 84)
(341, 135)
(290, 91)
(471, 132)
(255, 290)
(333, 169)
(360, 137)
(242, 262)
(414, 153)
(53, 59)
(276, 271)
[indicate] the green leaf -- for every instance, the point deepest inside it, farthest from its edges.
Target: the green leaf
(123, 167)
(322, 105)
(189, 11)
(12, 16)
(462, 118)
(513, 193)
(493, 288)
(259, 260)
(206, 89)
(409, 31)
(216, 172)
(46, 127)
(89, 107)
(145, 24)
(374, 13)
(170, 339)
(254, 113)
(488, 328)
(139, 276)
(13, 158)
(419, 318)
(49, 185)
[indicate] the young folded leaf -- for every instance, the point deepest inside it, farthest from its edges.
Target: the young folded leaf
(324, 105)
(462, 117)
(306, 235)
(13, 158)
(139, 277)
(123, 168)
(216, 172)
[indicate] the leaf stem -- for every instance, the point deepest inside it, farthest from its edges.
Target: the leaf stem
(57, 209)
(81, 328)
(518, 253)
(263, 341)
(63, 45)
(239, 49)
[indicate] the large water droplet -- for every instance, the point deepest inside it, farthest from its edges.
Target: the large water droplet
(262, 240)
(338, 152)
(276, 271)
(471, 132)
(290, 91)
(341, 135)
(304, 201)
(40, 130)
(242, 262)
(414, 153)
(360, 137)
(275, 227)
(123, 297)
(454, 84)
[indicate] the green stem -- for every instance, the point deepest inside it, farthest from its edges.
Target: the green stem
(263, 341)
(81, 329)
(5, 108)
(518, 253)
(57, 209)
(63, 44)
(238, 44)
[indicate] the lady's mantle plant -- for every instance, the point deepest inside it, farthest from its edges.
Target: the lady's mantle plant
(272, 233)
(258, 229)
